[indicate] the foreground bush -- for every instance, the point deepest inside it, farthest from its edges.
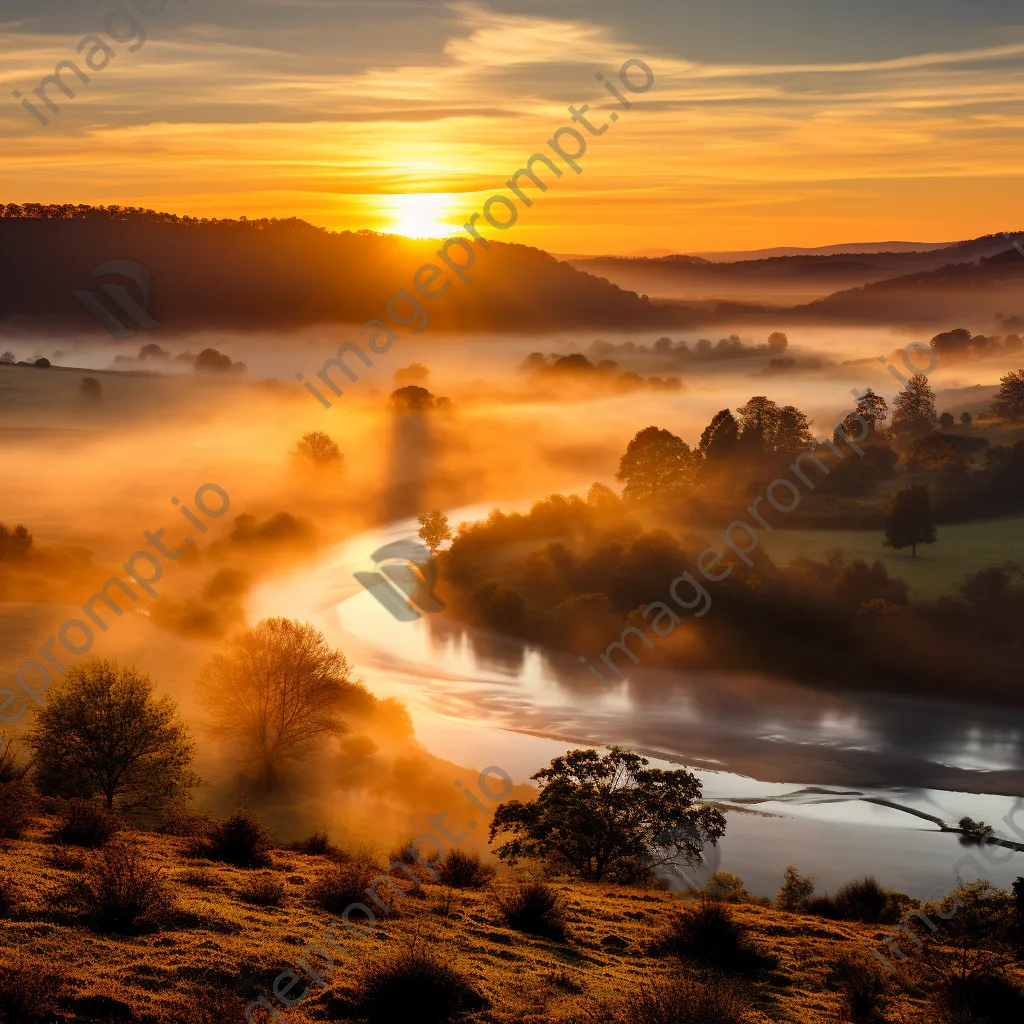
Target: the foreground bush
(348, 883)
(862, 994)
(983, 998)
(462, 870)
(241, 840)
(27, 994)
(709, 934)
(862, 900)
(729, 888)
(119, 892)
(686, 1000)
(84, 824)
(318, 845)
(263, 891)
(16, 799)
(535, 908)
(416, 986)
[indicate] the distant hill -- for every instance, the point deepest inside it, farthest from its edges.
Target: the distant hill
(778, 280)
(842, 249)
(288, 272)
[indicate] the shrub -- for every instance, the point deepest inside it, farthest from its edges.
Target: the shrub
(200, 878)
(318, 845)
(796, 890)
(407, 854)
(65, 858)
(709, 934)
(984, 998)
(120, 892)
(535, 908)
(344, 885)
(27, 993)
(728, 888)
(416, 986)
(263, 891)
(241, 840)
(862, 994)
(462, 870)
(865, 900)
(685, 1000)
(15, 808)
(84, 824)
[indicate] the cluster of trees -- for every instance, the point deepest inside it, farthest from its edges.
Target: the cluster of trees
(1009, 400)
(703, 350)
(413, 398)
(15, 542)
(604, 371)
(961, 344)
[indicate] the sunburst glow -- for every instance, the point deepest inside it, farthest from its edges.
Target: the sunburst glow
(420, 215)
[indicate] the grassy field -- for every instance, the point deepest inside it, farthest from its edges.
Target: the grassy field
(938, 568)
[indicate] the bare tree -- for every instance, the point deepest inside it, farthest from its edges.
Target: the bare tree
(276, 690)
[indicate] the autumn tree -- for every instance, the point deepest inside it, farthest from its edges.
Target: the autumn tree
(103, 731)
(655, 464)
(777, 341)
(434, 529)
(594, 812)
(914, 407)
(276, 692)
(317, 451)
(14, 543)
(908, 519)
(718, 442)
(1009, 400)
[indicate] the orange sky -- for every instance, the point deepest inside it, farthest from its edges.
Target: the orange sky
(716, 156)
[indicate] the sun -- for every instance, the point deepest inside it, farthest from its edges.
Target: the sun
(420, 214)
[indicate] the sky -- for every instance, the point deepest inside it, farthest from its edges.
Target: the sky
(770, 122)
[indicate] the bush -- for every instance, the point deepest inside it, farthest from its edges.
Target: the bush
(535, 908)
(862, 900)
(795, 892)
(16, 799)
(709, 934)
(862, 994)
(987, 998)
(120, 892)
(344, 885)
(65, 858)
(416, 986)
(407, 854)
(241, 840)
(263, 891)
(318, 845)
(462, 870)
(27, 994)
(685, 1000)
(84, 824)
(728, 888)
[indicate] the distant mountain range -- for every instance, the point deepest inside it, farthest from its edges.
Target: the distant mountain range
(281, 273)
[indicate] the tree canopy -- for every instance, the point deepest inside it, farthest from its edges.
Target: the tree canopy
(914, 407)
(595, 812)
(434, 529)
(103, 731)
(655, 464)
(317, 451)
(908, 519)
(1009, 400)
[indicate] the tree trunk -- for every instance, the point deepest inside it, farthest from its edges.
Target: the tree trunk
(913, 551)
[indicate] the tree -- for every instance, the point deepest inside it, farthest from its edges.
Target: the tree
(914, 407)
(412, 398)
(276, 691)
(8, 358)
(793, 432)
(317, 451)
(14, 544)
(965, 419)
(718, 442)
(1009, 400)
(102, 731)
(955, 343)
(795, 891)
(414, 373)
(873, 409)
(777, 341)
(908, 519)
(946, 420)
(434, 530)
(655, 463)
(759, 420)
(595, 811)
(91, 388)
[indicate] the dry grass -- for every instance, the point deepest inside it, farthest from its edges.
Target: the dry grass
(263, 891)
(217, 941)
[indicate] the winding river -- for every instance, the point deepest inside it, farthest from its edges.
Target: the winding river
(797, 768)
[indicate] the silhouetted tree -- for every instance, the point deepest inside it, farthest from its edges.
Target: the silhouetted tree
(946, 420)
(434, 530)
(14, 544)
(317, 451)
(908, 519)
(103, 731)
(1009, 400)
(718, 442)
(965, 419)
(914, 408)
(954, 343)
(793, 432)
(414, 373)
(655, 464)
(91, 388)
(595, 812)
(8, 358)
(777, 341)
(275, 690)
(412, 398)
(152, 351)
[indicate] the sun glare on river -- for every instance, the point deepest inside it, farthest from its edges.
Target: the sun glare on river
(420, 215)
